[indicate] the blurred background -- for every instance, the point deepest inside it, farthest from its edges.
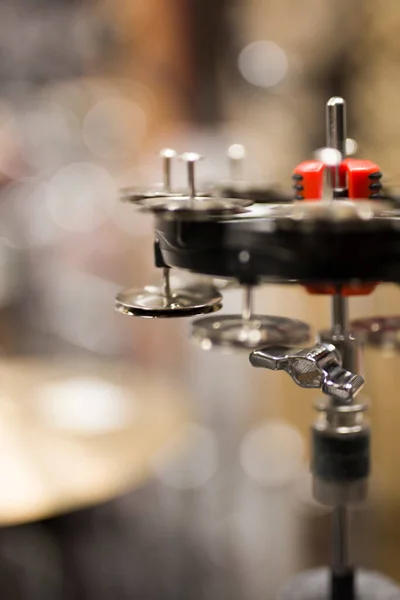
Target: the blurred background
(132, 464)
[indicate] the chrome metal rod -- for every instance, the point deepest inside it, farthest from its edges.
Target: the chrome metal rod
(167, 154)
(191, 180)
(340, 329)
(166, 283)
(167, 174)
(247, 311)
(340, 315)
(327, 186)
(336, 124)
(341, 547)
(236, 170)
(190, 158)
(340, 540)
(336, 133)
(236, 155)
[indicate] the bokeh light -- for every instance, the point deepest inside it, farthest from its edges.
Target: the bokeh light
(195, 465)
(351, 146)
(263, 63)
(47, 134)
(81, 197)
(329, 156)
(114, 128)
(90, 406)
(273, 453)
(76, 307)
(236, 152)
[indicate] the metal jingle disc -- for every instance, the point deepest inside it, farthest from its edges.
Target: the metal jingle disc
(152, 302)
(140, 196)
(233, 331)
(334, 211)
(258, 194)
(184, 279)
(381, 332)
(199, 207)
(310, 215)
(225, 284)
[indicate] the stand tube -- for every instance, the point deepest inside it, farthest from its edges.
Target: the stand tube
(342, 569)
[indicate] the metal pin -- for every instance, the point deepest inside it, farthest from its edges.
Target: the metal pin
(336, 133)
(340, 539)
(191, 158)
(236, 155)
(331, 159)
(336, 124)
(247, 311)
(167, 154)
(340, 317)
(166, 283)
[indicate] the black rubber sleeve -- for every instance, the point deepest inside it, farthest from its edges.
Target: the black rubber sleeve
(340, 457)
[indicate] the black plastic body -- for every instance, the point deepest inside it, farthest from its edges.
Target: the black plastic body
(259, 249)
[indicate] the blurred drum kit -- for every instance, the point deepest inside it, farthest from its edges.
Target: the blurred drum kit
(337, 234)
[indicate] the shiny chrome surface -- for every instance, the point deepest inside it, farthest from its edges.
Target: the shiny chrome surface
(339, 211)
(153, 302)
(191, 158)
(193, 205)
(167, 154)
(160, 190)
(315, 367)
(195, 208)
(236, 331)
(336, 133)
(339, 494)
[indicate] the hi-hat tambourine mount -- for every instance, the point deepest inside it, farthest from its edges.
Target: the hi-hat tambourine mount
(335, 236)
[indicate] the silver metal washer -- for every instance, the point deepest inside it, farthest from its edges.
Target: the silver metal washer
(197, 207)
(152, 302)
(234, 331)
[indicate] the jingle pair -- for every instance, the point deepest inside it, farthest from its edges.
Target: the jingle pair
(172, 298)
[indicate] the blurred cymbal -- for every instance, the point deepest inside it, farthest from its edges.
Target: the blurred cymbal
(78, 434)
